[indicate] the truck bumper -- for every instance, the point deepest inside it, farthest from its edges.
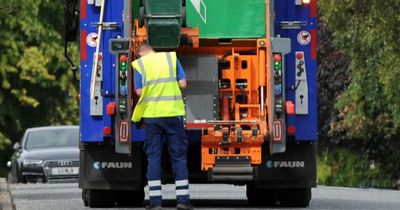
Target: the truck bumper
(295, 168)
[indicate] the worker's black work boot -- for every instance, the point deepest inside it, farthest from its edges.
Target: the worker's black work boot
(154, 207)
(184, 206)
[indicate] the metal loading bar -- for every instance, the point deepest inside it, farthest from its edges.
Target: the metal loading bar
(231, 169)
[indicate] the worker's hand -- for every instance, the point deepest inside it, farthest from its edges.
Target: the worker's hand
(138, 91)
(182, 83)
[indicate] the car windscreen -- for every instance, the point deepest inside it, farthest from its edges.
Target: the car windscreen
(52, 138)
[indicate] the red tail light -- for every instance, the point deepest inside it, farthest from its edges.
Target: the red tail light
(107, 130)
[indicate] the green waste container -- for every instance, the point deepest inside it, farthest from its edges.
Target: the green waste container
(163, 7)
(164, 18)
(227, 18)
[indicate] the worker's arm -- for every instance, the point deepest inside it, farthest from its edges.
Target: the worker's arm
(181, 76)
(137, 82)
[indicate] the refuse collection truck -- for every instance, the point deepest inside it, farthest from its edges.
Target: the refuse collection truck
(251, 96)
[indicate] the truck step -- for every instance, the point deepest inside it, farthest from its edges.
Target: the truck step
(231, 169)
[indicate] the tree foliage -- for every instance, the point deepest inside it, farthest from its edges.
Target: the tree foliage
(36, 85)
(366, 31)
(333, 79)
(346, 168)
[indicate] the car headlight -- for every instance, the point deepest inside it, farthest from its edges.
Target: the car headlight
(32, 162)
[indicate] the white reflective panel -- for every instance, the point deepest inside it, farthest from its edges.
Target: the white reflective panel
(182, 182)
(155, 193)
(154, 183)
(182, 192)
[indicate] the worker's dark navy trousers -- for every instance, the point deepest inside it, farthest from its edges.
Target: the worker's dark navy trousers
(167, 130)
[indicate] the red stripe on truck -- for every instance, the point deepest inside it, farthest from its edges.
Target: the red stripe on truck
(83, 9)
(314, 44)
(313, 6)
(83, 45)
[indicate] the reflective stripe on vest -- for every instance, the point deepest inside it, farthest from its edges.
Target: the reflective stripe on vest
(163, 99)
(172, 77)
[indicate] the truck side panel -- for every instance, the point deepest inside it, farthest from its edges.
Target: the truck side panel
(92, 126)
(287, 10)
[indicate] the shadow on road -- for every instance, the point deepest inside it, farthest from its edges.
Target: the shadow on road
(203, 203)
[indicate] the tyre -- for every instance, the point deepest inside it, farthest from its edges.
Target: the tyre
(261, 197)
(23, 180)
(85, 202)
(19, 178)
(99, 198)
(295, 197)
(130, 198)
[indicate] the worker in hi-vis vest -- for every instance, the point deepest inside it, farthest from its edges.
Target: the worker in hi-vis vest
(158, 80)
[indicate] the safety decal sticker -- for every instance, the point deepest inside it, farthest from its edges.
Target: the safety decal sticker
(91, 39)
(304, 37)
(200, 8)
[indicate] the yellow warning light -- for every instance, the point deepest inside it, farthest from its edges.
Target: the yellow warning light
(306, 1)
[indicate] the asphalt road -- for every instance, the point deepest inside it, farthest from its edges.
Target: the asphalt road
(68, 196)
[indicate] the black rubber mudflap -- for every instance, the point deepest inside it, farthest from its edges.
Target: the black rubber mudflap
(101, 168)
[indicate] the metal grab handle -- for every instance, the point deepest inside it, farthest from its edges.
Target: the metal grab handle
(96, 61)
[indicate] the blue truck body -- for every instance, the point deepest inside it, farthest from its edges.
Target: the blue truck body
(293, 170)
(286, 10)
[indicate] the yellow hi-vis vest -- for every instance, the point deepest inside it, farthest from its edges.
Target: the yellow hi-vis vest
(161, 95)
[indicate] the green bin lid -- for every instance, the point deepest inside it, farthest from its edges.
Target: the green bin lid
(163, 7)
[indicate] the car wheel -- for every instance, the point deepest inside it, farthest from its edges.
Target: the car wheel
(18, 176)
(26, 180)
